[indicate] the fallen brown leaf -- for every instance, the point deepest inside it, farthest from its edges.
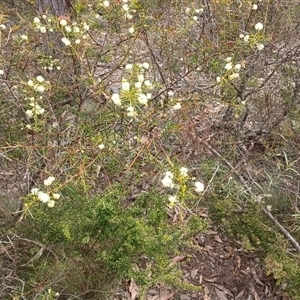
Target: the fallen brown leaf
(218, 239)
(179, 258)
(220, 294)
(206, 294)
(223, 289)
(133, 289)
(194, 273)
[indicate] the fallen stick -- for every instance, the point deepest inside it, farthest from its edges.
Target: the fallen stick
(293, 242)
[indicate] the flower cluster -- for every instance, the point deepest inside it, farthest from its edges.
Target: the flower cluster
(38, 84)
(73, 33)
(105, 4)
(48, 198)
(128, 11)
(254, 39)
(194, 13)
(232, 70)
(175, 106)
(134, 91)
(177, 181)
(35, 110)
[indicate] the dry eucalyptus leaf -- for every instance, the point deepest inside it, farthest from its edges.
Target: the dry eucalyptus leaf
(133, 289)
(179, 258)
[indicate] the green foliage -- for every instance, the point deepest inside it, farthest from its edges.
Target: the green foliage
(259, 235)
(107, 99)
(124, 234)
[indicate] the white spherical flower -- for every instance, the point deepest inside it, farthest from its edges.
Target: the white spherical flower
(195, 18)
(172, 201)
(260, 46)
(129, 16)
(176, 106)
(43, 29)
(116, 99)
(199, 187)
(30, 83)
(169, 174)
(131, 30)
(187, 10)
(2, 26)
(40, 88)
(105, 4)
(218, 79)
(40, 79)
(55, 196)
(183, 171)
(237, 67)
(149, 96)
(167, 180)
(228, 59)
(86, 27)
(34, 191)
(147, 83)
(246, 38)
(24, 37)
(141, 78)
(125, 7)
(51, 203)
(101, 146)
(58, 68)
(76, 29)
(228, 66)
(254, 7)
(146, 65)
(66, 41)
(259, 26)
(49, 181)
(63, 22)
(125, 86)
(68, 28)
(77, 41)
(29, 113)
(1, 72)
(138, 85)
(39, 110)
(142, 98)
(130, 111)
(128, 66)
(199, 10)
(44, 197)
(36, 20)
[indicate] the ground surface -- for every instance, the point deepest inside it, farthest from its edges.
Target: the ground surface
(224, 271)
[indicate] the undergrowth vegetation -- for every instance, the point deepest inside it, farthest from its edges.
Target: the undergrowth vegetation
(121, 119)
